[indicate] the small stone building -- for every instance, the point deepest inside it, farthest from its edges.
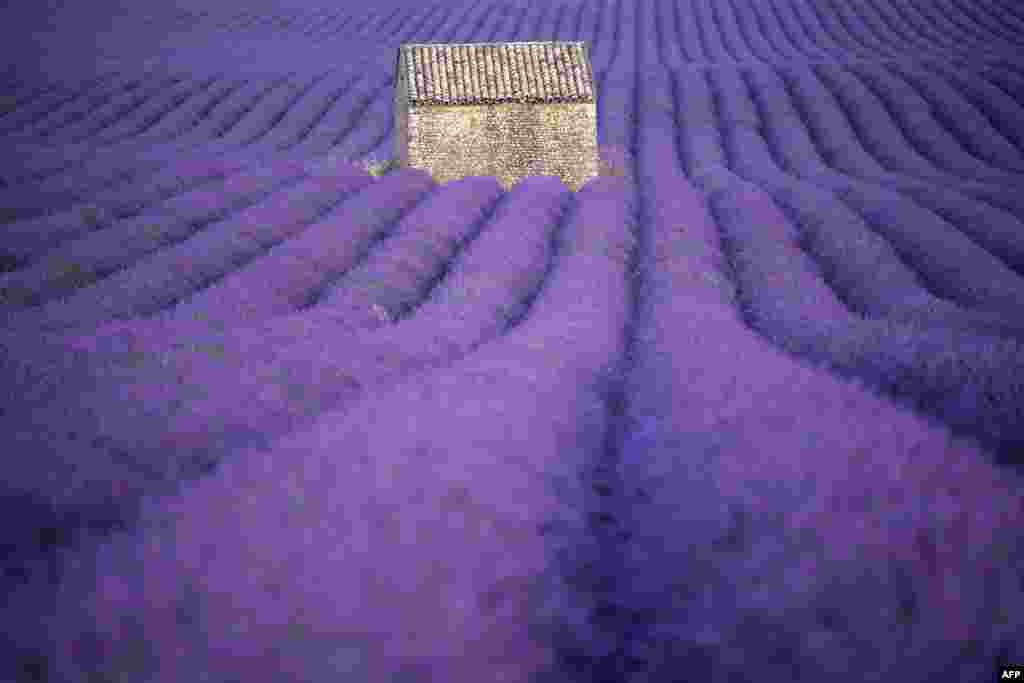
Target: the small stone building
(507, 110)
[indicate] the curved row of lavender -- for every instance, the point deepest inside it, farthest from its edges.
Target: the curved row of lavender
(748, 407)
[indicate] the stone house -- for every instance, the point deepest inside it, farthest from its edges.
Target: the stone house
(507, 110)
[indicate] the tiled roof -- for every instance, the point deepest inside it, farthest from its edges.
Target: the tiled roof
(482, 73)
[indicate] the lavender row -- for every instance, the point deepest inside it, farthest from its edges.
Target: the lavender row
(263, 116)
(481, 601)
(919, 118)
(762, 41)
(836, 26)
(51, 98)
(490, 286)
(714, 411)
(615, 100)
(90, 118)
(889, 27)
(63, 263)
(677, 39)
(201, 397)
(316, 107)
(968, 380)
(117, 158)
(733, 37)
(1000, 110)
(342, 256)
(93, 176)
(231, 104)
(793, 149)
(157, 124)
(884, 136)
(998, 427)
(950, 264)
(867, 273)
(152, 114)
(968, 119)
(281, 122)
(604, 42)
(161, 279)
(197, 398)
(30, 237)
(397, 274)
(853, 19)
(837, 136)
(788, 18)
(805, 131)
(366, 118)
(72, 111)
(485, 290)
(963, 26)
(20, 92)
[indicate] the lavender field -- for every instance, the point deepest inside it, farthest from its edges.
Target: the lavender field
(747, 407)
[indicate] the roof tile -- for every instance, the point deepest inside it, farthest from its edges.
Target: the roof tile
(478, 73)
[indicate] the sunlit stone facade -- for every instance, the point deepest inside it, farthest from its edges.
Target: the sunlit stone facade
(507, 110)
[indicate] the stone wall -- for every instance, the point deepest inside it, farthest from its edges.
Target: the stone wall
(506, 140)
